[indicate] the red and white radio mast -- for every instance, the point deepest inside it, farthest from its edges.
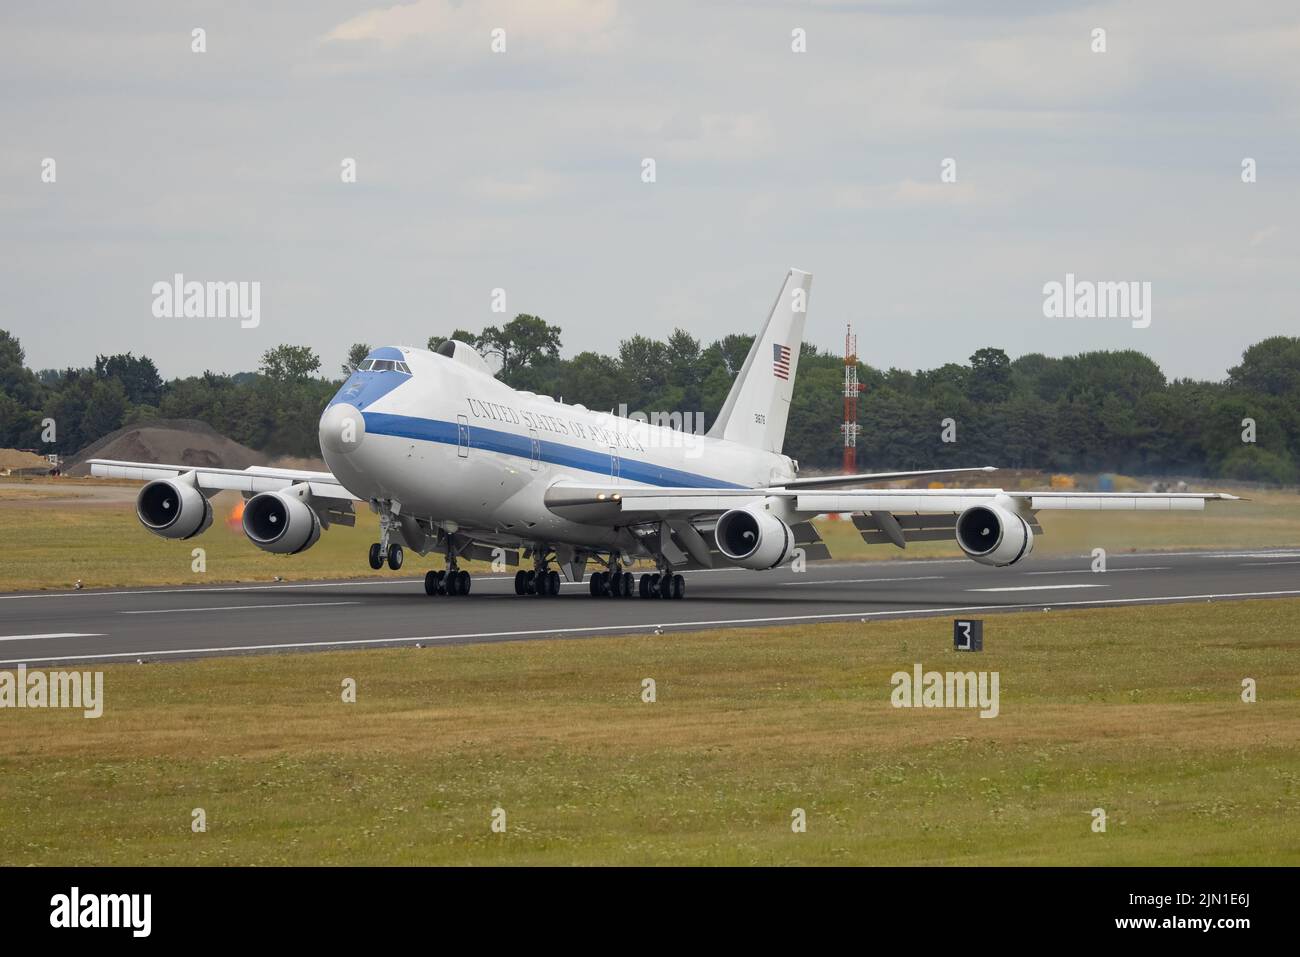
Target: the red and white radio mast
(850, 427)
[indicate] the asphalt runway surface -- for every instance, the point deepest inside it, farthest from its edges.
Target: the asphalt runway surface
(169, 623)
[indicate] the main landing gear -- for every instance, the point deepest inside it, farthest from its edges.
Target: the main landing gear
(542, 581)
(453, 581)
(662, 585)
(613, 584)
(616, 583)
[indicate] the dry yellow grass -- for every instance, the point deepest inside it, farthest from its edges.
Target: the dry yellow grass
(1137, 711)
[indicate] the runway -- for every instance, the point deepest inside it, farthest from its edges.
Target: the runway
(168, 623)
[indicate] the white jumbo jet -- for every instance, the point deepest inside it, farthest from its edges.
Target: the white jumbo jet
(454, 461)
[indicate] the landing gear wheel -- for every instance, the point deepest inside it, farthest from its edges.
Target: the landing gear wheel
(552, 583)
(678, 589)
(461, 582)
(530, 583)
(376, 556)
(644, 587)
(666, 586)
(596, 584)
(395, 557)
(431, 583)
(628, 585)
(521, 582)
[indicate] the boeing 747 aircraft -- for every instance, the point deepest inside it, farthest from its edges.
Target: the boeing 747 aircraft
(454, 461)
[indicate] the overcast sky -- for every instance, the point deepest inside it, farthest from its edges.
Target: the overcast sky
(523, 170)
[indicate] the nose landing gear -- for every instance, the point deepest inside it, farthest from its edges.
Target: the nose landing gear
(385, 548)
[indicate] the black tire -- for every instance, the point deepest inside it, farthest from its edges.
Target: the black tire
(376, 557)
(431, 583)
(644, 588)
(679, 587)
(629, 585)
(521, 582)
(463, 582)
(666, 586)
(593, 584)
(395, 557)
(553, 583)
(530, 583)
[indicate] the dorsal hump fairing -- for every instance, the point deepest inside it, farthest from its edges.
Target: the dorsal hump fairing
(463, 353)
(758, 405)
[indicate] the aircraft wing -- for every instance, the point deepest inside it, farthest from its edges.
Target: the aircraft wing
(255, 478)
(620, 505)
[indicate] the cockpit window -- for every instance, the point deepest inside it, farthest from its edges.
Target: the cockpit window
(383, 365)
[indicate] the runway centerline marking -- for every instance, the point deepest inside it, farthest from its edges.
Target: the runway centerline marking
(276, 607)
(857, 581)
(1035, 587)
(1297, 562)
(53, 634)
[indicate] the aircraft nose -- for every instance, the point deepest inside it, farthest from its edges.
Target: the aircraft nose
(342, 428)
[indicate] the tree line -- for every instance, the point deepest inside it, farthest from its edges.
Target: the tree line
(1110, 411)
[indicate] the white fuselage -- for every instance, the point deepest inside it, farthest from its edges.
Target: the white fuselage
(456, 446)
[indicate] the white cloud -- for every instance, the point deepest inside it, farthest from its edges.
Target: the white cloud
(463, 30)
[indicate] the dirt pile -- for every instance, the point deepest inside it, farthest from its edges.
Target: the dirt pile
(167, 442)
(17, 460)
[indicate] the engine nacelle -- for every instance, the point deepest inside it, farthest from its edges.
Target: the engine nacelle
(280, 522)
(173, 509)
(992, 535)
(754, 538)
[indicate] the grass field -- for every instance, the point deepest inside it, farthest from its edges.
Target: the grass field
(1136, 711)
(72, 530)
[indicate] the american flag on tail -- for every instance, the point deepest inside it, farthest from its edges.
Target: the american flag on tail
(781, 361)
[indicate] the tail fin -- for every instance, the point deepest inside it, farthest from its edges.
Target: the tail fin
(758, 405)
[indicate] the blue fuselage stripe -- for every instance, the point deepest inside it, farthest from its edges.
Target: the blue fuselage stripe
(520, 446)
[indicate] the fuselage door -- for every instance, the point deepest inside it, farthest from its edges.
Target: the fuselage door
(535, 445)
(462, 436)
(613, 465)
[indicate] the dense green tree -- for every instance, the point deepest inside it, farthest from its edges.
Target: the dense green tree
(287, 363)
(139, 377)
(357, 352)
(520, 343)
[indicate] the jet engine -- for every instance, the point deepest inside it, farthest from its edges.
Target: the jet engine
(754, 538)
(173, 509)
(280, 522)
(992, 535)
